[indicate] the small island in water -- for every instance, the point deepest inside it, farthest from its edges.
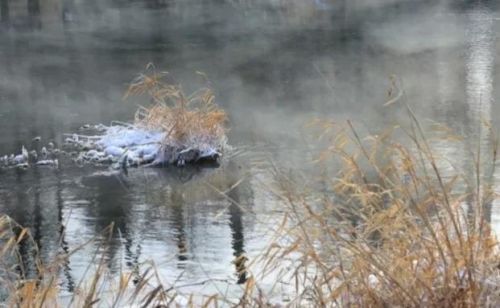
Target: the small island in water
(174, 129)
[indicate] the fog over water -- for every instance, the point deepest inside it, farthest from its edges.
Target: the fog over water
(274, 66)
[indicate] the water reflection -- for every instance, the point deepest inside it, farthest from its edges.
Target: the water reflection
(110, 203)
(238, 240)
(177, 204)
(479, 87)
(471, 116)
(4, 12)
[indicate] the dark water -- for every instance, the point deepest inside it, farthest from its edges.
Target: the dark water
(274, 65)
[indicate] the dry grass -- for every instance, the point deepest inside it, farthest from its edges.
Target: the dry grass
(39, 287)
(23, 289)
(394, 230)
(185, 118)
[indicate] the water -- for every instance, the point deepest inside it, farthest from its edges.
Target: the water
(273, 66)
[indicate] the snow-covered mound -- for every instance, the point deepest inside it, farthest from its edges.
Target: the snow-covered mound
(121, 145)
(133, 145)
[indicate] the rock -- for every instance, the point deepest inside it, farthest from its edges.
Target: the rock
(187, 156)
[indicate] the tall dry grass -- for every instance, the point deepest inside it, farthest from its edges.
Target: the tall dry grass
(392, 229)
(39, 285)
(194, 118)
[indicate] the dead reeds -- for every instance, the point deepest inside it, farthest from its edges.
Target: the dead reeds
(393, 228)
(187, 119)
(40, 286)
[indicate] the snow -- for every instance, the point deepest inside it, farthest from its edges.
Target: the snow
(133, 145)
(120, 145)
(129, 136)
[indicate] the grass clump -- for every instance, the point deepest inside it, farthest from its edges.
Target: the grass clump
(190, 121)
(391, 228)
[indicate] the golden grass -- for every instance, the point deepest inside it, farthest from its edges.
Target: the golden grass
(23, 289)
(98, 288)
(394, 230)
(185, 118)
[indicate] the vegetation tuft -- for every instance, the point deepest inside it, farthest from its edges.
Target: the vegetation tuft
(189, 120)
(392, 228)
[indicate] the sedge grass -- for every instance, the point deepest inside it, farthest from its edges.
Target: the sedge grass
(395, 231)
(187, 119)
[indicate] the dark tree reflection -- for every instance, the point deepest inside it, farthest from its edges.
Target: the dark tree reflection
(177, 203)
(34, 14)
(236, 225)
(4, 11)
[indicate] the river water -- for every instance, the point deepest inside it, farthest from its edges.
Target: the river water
(274, 66)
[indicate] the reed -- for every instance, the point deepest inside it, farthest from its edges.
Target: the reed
(392, 229)
(187, 119)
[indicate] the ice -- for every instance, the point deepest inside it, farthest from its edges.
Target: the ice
(48, 162)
